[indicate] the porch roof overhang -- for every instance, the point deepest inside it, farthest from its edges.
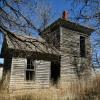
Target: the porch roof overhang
(28, 45)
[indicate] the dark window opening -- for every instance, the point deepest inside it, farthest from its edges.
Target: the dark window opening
(82, 46)
(55, 72)
(30, 70)
(29, 75)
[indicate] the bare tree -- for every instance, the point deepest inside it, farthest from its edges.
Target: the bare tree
(22, 16)
(96, 54)
(87, 12)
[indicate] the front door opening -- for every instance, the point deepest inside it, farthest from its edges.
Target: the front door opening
(55, 72)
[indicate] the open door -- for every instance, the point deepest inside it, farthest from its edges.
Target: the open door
(55, 72)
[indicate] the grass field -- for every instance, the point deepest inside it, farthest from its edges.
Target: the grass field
(74, 91)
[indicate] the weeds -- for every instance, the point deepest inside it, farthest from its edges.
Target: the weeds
(66, 91)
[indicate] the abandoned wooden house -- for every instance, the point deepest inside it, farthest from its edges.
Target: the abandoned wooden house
(62, 53)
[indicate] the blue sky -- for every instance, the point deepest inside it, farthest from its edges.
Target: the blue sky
(1, 60)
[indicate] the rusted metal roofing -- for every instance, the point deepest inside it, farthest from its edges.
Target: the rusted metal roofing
(29, 43)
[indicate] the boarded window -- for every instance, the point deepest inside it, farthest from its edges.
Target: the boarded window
(82, 46)
(30, 70)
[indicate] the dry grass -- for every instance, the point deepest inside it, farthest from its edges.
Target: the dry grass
(71, 91)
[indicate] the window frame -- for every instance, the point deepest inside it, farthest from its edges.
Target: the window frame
(82, 46)
(30, 69)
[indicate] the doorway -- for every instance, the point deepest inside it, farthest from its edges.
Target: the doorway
(55, 72)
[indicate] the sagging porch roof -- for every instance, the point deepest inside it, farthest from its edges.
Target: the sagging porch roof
(28, 43)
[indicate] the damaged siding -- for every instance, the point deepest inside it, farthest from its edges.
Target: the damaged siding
(42, 78)
(72, 65)
(18, 74)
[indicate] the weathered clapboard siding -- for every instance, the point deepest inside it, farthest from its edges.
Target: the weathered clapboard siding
(17, 73)
(17, 79)
(65, 41)
(1, 71)
(70, 47)
(52, 37)
(42, 78)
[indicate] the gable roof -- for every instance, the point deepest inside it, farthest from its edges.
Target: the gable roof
(29, 43)
(70, 25)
